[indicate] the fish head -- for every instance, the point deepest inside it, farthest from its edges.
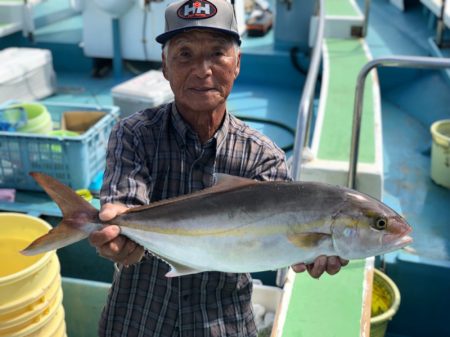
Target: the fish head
(366, 227)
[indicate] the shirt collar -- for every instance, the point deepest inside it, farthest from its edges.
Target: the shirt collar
(184, 129)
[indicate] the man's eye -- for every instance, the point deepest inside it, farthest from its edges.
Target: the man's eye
(185, 54)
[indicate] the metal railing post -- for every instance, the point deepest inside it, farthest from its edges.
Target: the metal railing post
(304, 112)
(305, 107)
(393, 61)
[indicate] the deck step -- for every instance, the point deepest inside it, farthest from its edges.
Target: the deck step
(11, 17)
(67, 30)
(57, 22)
(7, 28)
(46, 19)
(344, 19)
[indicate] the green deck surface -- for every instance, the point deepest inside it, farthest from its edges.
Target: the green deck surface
(346, 58)
(328, 307)
(340, 8)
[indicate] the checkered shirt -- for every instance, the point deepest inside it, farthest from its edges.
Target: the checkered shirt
(154, 155)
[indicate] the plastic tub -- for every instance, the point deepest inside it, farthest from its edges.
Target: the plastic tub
(46, 326)
(41, 320)
(39, 119)
(30, 287)
(440, 152)
(21, 318)
(385, 303)
(20, 275)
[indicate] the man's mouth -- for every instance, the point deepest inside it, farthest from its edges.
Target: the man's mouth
(202, 89)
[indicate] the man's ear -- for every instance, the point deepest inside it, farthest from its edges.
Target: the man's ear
(164, 66)
(238, 65)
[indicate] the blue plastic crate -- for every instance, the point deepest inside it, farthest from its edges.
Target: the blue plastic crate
(75, 161)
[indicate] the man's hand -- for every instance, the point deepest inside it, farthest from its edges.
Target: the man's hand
(110, 244)
(330, 264)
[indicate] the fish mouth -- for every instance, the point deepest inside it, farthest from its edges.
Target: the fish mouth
(403, 241)
(398, 240)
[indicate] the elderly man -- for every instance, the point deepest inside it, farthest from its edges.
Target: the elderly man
(173, 150)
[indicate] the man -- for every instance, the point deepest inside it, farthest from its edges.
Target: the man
(173, 150)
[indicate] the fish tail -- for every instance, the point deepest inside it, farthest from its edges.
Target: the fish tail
(76, 224)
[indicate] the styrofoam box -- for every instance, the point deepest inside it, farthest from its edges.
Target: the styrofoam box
(144, 91)
(26, 74)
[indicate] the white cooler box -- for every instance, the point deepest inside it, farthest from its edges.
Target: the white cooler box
(144, 91)
(26, 74)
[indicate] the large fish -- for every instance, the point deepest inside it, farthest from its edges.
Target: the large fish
(239, 225)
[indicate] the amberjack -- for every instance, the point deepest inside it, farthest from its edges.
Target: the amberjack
(239, 225)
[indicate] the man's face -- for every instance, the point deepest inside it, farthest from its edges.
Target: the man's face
(201, 67)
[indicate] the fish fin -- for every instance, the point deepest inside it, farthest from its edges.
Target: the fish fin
(225, 182)
(176, 268)
(307, 240)
(78, 217)
(181, 270)
(228, 181)
(58, 237)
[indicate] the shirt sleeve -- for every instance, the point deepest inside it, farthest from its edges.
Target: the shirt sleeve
(127, 179)
(265, 161)
(271, 165)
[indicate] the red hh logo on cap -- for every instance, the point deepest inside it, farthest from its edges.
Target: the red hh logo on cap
(199, 9)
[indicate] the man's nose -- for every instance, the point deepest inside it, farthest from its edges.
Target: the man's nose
(202, 67)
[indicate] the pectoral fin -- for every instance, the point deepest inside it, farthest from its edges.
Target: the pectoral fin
(176, 269)
(308, 240)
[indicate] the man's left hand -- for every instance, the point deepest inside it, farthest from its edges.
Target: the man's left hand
(330, 264)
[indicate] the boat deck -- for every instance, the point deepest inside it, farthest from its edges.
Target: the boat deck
(407, 114)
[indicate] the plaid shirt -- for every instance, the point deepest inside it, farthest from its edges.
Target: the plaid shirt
(154, 155)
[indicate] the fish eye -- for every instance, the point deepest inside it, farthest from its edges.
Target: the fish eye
(380, 223)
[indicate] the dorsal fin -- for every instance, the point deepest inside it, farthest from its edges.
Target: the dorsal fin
(224, 183)
(226, 180)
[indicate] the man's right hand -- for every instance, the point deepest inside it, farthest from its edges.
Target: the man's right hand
(110, 244)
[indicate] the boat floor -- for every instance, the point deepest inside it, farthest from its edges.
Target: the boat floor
(407, 113)
(407, 177)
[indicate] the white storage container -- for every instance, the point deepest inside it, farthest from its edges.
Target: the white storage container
(144, 91)
(26, 74)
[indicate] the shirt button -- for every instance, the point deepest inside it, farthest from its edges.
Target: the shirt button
(186, 298)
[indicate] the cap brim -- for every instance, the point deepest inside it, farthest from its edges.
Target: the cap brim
(163, 38)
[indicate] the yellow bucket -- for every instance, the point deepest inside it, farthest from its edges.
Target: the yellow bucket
(440, 153)
(25, 304)
(30, 287)
(20, 275)
(43, 318)
(385, 303)
(21, 318)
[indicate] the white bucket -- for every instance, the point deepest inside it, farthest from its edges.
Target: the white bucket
(440, 152)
